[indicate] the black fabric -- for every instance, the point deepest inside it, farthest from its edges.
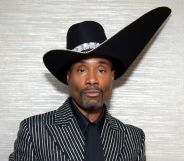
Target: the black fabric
(83, 121)
(91, 132)
(94, 151)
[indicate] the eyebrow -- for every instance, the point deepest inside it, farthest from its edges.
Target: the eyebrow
(98, 62)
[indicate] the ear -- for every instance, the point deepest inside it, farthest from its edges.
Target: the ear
(113, 74)
(68, 77)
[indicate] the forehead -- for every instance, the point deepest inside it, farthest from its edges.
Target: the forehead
(94, 60)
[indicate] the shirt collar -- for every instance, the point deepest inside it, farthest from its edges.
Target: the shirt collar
(83, 122)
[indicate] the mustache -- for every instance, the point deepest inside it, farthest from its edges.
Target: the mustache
(91, 87)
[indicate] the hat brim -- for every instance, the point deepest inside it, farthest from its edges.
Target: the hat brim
(122, 48)
(59, 61)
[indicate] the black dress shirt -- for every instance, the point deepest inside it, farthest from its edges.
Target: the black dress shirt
(91, 132)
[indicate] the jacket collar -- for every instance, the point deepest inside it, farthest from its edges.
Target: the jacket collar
(64, 115)
(65, 126)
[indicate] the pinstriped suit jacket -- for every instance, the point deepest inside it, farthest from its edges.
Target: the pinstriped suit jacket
(56, 136)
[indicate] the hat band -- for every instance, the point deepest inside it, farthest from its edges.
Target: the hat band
(85, 47)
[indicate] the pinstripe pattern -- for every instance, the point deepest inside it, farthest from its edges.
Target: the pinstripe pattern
(56, 136)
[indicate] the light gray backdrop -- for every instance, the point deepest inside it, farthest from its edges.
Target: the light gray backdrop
(151, 91)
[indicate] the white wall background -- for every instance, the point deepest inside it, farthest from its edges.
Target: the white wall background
(151, 91)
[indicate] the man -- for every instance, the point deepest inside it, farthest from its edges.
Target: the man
(82, 129)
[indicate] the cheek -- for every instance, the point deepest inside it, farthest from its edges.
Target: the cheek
(75, 85)
(107, 86)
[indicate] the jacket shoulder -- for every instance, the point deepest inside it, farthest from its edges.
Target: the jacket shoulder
(135, 131)
(135, 137)
(45, 118)
(130, 130)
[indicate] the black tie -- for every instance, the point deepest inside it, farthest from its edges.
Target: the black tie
(94, 150)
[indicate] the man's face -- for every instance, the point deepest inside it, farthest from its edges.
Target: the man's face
(90, 82)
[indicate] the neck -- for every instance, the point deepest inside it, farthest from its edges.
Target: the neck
(91, 115)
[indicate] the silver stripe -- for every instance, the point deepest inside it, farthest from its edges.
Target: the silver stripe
(86, 46)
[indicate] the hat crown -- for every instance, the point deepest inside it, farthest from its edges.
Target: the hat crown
(87, 32)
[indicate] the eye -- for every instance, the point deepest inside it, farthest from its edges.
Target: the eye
(102, 70)
(81, 70)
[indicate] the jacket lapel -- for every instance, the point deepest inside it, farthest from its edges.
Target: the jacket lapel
(67, 134)
(112, 138)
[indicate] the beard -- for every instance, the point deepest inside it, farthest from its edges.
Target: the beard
(93, 103)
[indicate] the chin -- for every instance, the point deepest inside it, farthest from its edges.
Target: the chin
(92, 105)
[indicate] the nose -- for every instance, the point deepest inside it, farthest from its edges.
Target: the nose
(92, 78)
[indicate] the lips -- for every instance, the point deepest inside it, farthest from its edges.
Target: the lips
(92, 93)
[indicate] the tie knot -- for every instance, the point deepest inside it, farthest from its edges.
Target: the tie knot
(93, 126)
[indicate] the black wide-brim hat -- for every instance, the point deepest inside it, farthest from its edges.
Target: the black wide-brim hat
(87, 39)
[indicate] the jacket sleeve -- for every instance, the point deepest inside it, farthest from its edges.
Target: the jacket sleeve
(142, 155)
(23, 146)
